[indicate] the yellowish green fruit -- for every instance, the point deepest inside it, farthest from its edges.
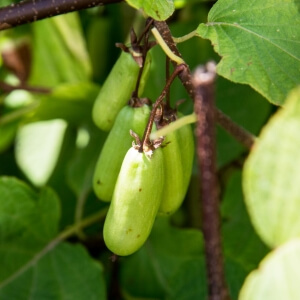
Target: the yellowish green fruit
(173, 192)
(114, 150)
(117, 90)
(178, 162)
(135, 202)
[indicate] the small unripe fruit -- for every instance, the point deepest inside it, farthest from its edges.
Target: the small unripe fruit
(178, 151)
(135, 202)
(117, 89)
(116, 145)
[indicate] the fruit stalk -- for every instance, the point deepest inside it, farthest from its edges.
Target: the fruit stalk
(158, 102)
(239, 133)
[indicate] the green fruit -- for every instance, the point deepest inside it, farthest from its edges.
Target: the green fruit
(178, 161)
(116, 145)
(187, 149)
(173, 188)
(135, 202)
(117, 89)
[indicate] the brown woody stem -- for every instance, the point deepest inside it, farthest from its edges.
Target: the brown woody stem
(203, 81)
(146, 137)
(5, 87)
(33, 10)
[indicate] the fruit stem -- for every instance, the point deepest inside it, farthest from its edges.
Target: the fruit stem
(146, 143)
(167, 77)
(185, 77)
(145, 35)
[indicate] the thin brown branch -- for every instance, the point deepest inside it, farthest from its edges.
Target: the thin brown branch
(205, 132)
(5, 87)
(146, 137)
(239, 133)
(33, 10)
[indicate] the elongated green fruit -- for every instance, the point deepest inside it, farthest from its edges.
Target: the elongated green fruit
(135, 202)
(173, 188)
(117, 89)
(187, 150)
(178, 161)
(116, 145)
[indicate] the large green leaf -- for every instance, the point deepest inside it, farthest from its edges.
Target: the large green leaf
(277, 277)
(240, 241)
(258, 42)
(34, 265)
(157, 9)
(243, 249)
(169, 260)
(59, 52)
(272, 174)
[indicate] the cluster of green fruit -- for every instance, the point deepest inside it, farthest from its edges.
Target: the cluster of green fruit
(138, 184)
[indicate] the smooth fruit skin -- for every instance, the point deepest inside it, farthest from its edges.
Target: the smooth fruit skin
(187, 149)
(178, 163)
(135, 202)
(116, 145)
(117, 89)
(173, 192)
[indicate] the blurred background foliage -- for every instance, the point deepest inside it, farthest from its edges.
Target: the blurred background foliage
(59, 65)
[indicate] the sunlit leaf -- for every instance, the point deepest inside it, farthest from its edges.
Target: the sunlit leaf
(59, 52)
(271, 176)
(38, 147)
(258, 42)
(157, 9)
(277, 277)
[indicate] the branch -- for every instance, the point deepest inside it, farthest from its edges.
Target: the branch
(33, 10)
(6, 88)
(205, 132)
(239, 133)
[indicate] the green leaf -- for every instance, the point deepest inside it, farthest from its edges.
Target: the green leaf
(258, 42)
(240, 241)
(81, 167)
(71, 102)
(165, 257)
(28, 222)
(189, 281)
(38, 147)
(243, 249)
(277, 277)
(7, 135)
(157, 9)
(271, 176)
(249, 111)
(33, 263)
(59, 52)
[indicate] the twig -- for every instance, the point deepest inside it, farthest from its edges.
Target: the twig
(5, 87)
(205, 132)
(33, 10)
(234, 129)
(241, 134)
(146, 137)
